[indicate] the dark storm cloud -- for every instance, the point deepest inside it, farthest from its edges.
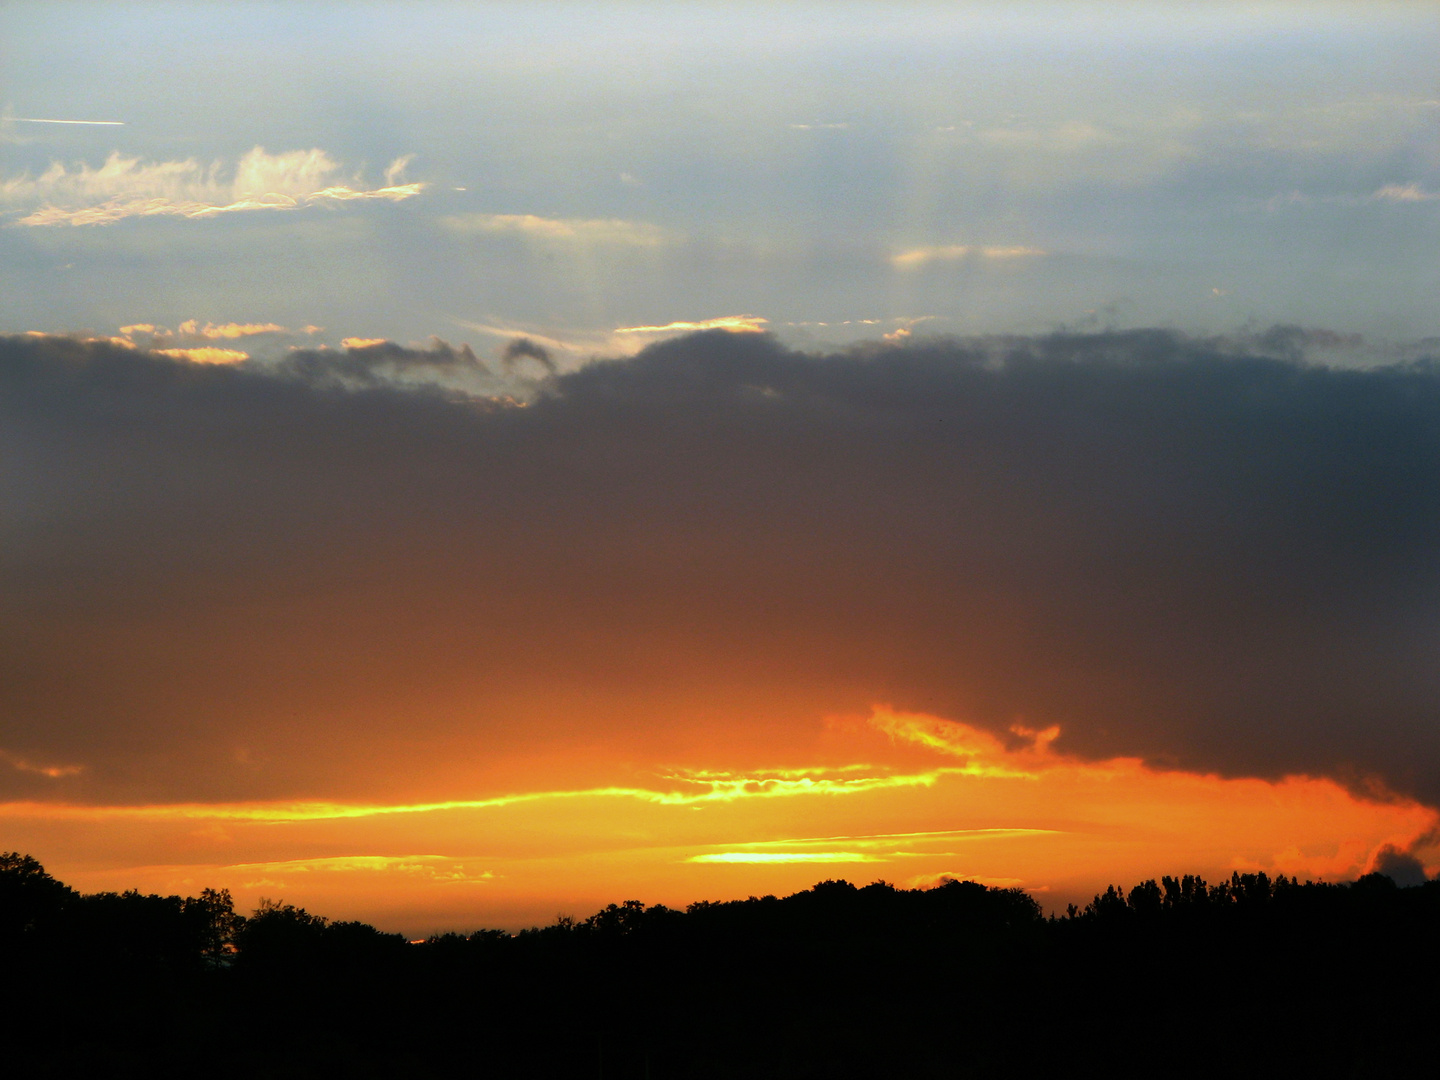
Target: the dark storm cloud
(1399, 866)
(520, 348)
(1294, 342)
(381, 363)
(1171, 547)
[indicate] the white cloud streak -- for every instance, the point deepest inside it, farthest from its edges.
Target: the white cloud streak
(125, 187)
(1388, 193)
(508, 332)
(1404, 193)
(563, 230)
(740, 324)
(93, 123)
(914, 258)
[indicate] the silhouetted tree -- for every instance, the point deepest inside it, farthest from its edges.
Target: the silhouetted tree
(279, 935)
(1247, 976)
(212, 913)
(30, 899)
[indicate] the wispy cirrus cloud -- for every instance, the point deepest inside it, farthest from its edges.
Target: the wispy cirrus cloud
(125, 187)
(616, 231)
(683, 790)
(1404, 193)
(51, 770)
(1396, 193)
(88, 123)
(434, 867)
(498, 329)
(914, 258)
(865, 847)
(740, 324)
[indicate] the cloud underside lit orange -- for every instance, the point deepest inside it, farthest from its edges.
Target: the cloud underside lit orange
(976, 807)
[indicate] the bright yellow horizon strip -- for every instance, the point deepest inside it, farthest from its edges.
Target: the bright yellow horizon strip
(719, 791)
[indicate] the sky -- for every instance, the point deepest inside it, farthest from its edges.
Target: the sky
(462, 463)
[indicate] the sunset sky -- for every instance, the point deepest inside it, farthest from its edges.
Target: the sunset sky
(462, 463)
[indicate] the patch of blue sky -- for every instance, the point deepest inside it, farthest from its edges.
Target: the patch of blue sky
(1191, 165)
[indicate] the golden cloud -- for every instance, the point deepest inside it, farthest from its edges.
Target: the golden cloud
(192, 328)
(205, 355)
(739, 324)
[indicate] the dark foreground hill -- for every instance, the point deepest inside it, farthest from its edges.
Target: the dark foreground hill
(1250, 977)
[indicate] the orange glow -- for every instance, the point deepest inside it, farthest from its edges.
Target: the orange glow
(967, 806)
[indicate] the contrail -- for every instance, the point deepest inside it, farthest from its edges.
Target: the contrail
(33, 120)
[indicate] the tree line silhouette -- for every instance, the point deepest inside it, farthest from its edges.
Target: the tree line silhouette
(1250, 976)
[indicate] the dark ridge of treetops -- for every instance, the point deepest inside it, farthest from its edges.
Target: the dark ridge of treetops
(1251, 976)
